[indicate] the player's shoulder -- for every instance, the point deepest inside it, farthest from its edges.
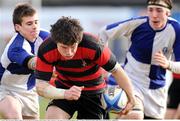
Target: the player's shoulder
(87, 36)
(138, 20)
(48, 45)
(17, 40)
(44, 34)
(89, 40)
(131, 22)
(173, 22)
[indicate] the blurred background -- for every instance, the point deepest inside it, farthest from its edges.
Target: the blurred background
(93, 14)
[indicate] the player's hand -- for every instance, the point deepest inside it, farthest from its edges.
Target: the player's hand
(161, 59)
(73, 93)
(129, 106)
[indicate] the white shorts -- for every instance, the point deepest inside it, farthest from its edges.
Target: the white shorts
(28, 99)
(154, 101)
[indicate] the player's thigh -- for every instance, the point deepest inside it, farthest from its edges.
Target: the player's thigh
(11, 102)
(170, 113)
(177, 115)
(54, 112)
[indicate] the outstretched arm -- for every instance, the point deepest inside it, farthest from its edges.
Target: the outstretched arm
(46, 90)
(125, 83)
(32, 63)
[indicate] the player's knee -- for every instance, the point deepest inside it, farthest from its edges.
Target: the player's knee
(139, 115)
(13, 115)
(136, 115)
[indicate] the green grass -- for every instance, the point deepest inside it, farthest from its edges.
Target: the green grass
(43, 104)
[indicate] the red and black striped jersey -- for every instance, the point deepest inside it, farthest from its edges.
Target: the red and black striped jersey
(176, 76)
(84, 69)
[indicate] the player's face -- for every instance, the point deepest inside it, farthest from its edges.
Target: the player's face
(29, 27)
(67, 51)
(157, 16)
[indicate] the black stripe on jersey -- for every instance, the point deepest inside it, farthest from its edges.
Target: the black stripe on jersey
(89, 83)
(15, 68)
(91, 42)
(88, 72)
(74, 63)
(25, 63)
(89, 92)
(46, 76)
(45, 47)
(110, 62)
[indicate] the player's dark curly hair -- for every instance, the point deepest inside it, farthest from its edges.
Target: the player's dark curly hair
(154, 2)
(66, 31)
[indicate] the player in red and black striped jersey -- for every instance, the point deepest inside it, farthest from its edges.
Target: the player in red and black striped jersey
(173, 105)
(77, 59)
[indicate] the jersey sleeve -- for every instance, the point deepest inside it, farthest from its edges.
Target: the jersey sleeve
(120, 29)
(19, 55)
(106, 59)
(44, 69)
(44, 34)
(114, 31)
(176, 46)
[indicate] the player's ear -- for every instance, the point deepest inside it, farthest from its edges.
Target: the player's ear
(17, 27)
(168, 13)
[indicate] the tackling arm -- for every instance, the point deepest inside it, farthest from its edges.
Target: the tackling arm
(125, 83)
(32, 63)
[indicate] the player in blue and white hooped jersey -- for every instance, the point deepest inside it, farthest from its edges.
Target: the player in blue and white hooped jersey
(18, 97)
(152, 40)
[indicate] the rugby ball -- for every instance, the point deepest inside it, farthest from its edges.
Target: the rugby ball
(114, 98)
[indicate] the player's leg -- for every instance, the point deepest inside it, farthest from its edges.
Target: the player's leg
(10, 108)
(177, 115)
(174, 99)
(170, 113)
(54, 112)
(60, 109)
(30, 102)
(155, 102)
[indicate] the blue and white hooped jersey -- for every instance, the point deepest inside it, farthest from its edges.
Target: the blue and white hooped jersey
(14, 73)
(144, 42)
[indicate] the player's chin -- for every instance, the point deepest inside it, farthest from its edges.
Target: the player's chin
(68, 57)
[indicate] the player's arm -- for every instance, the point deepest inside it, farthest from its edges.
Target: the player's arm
(174, 67)
(46, 90)
(125, 83)
(114, 31)
(161, 59)
(32, 63)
